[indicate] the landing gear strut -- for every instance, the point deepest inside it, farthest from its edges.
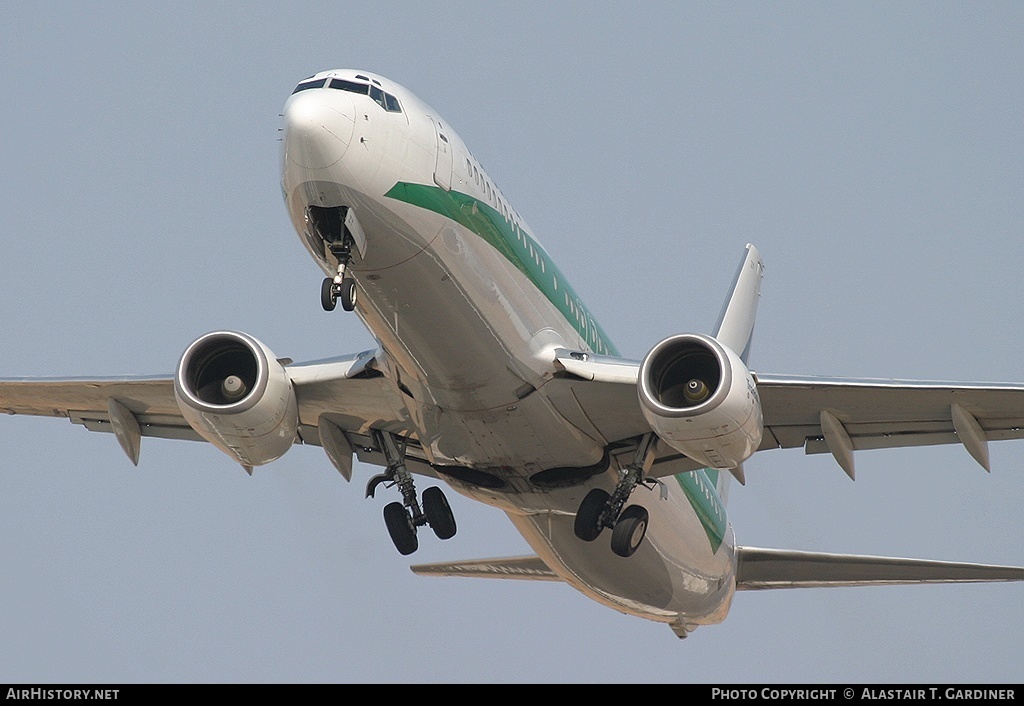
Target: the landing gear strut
(600, 510)
(403, 518)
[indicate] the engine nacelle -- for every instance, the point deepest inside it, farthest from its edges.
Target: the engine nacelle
(235, 393)
(700, 398)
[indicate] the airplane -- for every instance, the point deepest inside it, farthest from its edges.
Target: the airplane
(491, 377)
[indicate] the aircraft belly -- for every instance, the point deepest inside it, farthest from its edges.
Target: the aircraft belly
(469, 339)
(460, 301)
(474, 400)
(676, 574)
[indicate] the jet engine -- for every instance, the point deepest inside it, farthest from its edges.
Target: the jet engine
(700, 398)
(236, 394)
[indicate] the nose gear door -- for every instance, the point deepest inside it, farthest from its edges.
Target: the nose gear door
(443, 166)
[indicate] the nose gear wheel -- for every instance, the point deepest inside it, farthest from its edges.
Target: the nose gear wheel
(331, 291)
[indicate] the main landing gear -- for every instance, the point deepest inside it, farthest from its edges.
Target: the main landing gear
(600, 509)
(403, 518)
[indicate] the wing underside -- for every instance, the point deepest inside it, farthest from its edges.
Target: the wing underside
(347, 392)
(86, 401)
(820, 414)
(596, 394)
(839, 416)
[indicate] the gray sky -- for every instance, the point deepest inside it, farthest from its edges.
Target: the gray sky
(873, 153)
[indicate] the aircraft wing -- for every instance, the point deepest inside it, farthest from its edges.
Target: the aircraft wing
(85, 401)
(347, 392)
(823, 415)
(842, 415)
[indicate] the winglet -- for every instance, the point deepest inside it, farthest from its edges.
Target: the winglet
(736, 322)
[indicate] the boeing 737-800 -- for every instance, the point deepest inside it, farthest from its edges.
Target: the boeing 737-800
(492, 377)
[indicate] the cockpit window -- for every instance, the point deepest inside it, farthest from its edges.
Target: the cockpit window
(378, 95)
(306, 85)
(385, 100)
(349, 86)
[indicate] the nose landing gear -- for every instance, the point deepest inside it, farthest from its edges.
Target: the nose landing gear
(339, 230)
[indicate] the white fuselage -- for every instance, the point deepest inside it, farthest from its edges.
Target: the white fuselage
(462, 300)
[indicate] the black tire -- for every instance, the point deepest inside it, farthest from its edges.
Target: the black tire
(439, 513)
(327, 299)
(348, 294)
(588, 516)
(630, 530)
(400, 528)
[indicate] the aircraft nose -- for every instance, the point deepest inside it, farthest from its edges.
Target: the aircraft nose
(318, 127)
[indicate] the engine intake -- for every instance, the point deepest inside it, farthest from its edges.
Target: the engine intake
(221, 370)
(684, 372)
(700, 398)
(233, 391)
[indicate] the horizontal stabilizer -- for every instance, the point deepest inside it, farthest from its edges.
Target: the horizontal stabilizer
(527, 568)
(759, 569)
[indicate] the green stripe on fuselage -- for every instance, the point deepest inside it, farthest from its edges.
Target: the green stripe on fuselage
(516, 245)
(702, 492)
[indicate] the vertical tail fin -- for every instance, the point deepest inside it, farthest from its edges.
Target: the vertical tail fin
(735, 327)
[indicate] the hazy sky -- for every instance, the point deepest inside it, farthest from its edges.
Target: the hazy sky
(872, 151)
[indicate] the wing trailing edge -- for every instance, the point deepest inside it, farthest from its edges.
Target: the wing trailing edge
(759, 569)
